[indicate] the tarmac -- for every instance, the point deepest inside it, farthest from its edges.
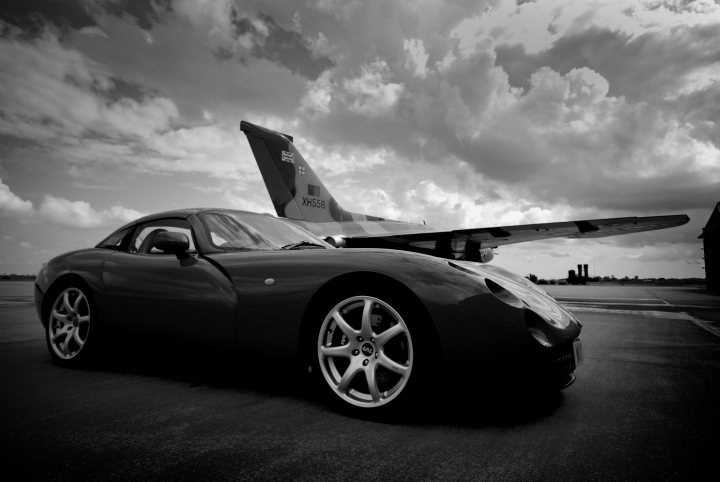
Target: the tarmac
(701, 306)
(644, 407)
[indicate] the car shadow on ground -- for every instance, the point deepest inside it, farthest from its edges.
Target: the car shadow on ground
(489, 405)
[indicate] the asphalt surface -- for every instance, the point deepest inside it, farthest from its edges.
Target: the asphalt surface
(645, 406)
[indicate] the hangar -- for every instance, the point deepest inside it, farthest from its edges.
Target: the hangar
(711, 246)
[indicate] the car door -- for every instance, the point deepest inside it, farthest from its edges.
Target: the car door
(174, 297)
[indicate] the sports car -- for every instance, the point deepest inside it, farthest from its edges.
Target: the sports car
(375, 328)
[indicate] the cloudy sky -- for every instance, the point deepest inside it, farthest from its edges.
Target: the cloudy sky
(462, 113)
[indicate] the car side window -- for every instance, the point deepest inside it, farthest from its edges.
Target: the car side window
(115, 240)
(143, 239)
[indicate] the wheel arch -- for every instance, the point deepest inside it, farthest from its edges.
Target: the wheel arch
(341, 284)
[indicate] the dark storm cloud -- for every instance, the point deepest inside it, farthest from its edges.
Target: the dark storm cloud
(664, 193)
(288, 48)
(120, 88)
(501, 157)
(34, 16)
(145, 12)
(635, 66)
(275, 43)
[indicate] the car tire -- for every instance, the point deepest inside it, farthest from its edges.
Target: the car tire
(367, 352)
(71, 325)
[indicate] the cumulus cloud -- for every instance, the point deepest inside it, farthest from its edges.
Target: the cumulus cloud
(372, 93)
(588, 124)
(11, 204)
(416, 56)
(318, 96)
(240, 200)
(211, 150)
(576, 122)
(79, 214)
(59, 98)
(48, 87)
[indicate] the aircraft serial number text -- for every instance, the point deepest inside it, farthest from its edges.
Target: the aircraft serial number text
(313, 203)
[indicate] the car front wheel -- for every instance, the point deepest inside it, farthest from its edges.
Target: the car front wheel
(69, 325)
(365, 352)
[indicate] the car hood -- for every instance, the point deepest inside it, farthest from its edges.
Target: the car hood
(530, 294)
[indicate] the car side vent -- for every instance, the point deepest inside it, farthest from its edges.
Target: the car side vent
(503, 295)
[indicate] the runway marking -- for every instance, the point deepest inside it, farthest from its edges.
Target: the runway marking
(667, 315)
(705, 325)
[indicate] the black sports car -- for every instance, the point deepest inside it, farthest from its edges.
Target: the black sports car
(372, 325)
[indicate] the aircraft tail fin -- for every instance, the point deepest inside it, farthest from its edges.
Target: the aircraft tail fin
(296, 191)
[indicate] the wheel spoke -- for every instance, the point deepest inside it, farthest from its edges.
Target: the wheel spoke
(337, 351)
(78, 300)
(66, 302)
(372, 383)
(76, 337)
(59, 316)
(388, 334)
(392, 365)
(84, 319)
(353, 369)
(366, 326)
(57, 335)
(66, 343)
(343, 325)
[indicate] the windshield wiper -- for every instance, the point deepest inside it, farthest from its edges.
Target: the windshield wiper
(303, 244)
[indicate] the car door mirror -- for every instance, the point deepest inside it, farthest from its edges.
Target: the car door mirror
(170, 242)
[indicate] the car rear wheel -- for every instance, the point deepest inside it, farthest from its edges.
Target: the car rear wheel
(365, 351)
(69, 325)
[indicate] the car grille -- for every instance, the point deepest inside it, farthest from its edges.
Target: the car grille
(564, 361)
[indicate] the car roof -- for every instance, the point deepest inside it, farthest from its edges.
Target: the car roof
(186, 213)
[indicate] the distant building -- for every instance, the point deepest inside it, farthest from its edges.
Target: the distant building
(578, 278)
(711, 246)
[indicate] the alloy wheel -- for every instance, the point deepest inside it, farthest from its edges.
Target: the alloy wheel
(69, 323)
(365, 351)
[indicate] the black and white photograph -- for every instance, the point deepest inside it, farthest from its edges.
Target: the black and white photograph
(360, 239)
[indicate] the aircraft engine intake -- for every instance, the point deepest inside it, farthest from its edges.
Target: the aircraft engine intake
(486, 254)
(336, 241)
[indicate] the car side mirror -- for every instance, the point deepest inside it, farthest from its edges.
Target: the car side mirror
(170, 242)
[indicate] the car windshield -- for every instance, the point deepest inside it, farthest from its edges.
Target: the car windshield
(232, 231)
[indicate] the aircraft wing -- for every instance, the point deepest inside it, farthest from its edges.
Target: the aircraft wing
(300, 196)
(457, 240)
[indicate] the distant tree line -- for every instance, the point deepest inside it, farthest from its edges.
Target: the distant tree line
(17, 277)
(624, 280)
